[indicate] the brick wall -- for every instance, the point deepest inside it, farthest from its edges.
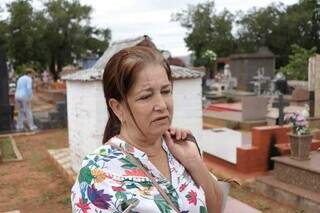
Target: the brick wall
(255, 158)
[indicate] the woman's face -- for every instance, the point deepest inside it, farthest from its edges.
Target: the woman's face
(150, 100)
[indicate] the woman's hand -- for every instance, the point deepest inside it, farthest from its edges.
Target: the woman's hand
(184, 151)
(187, 153)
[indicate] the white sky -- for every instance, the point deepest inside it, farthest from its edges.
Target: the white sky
(132, 18)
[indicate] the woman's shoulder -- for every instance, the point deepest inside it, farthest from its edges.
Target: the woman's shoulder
(112, 163)
(102, 156)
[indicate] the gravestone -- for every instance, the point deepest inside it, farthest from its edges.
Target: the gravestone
(300, 94)
(280, 104)
(244, 66)
(5, 108)
(314, 85)
(254, 108)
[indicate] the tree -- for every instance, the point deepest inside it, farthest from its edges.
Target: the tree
(3, 32)
(21, 32)
(256, 28)
(278, 27)
(59, 35)
(69, 34)
(207, 30)
(304, 18)
(297, 68)
(259, 27)
(97, 40)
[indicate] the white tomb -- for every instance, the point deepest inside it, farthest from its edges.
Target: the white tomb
(87, 110)
(222, 143)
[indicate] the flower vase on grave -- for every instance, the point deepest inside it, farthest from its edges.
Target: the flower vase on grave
(300, 139)
(300, 146)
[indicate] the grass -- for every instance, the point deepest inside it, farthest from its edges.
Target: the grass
(65, 201)
(4, 174)
(262, 205)
(7, 149)
(46, 196)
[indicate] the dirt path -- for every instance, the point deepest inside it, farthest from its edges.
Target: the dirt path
(34, 185)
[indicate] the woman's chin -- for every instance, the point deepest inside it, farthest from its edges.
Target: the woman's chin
(158, 132)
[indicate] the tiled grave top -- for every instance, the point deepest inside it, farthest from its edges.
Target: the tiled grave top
(312, 165)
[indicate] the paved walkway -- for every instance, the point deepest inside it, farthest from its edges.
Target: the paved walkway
(234, 205)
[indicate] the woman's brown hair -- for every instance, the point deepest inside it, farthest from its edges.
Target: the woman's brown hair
(118, 77)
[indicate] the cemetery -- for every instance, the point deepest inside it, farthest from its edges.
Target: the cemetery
(257, 127)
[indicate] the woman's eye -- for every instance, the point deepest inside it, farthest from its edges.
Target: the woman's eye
(145, 97)
(166, 91)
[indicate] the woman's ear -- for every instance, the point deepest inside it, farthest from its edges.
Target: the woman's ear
(116, 108)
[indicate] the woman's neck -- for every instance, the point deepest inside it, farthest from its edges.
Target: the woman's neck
(151, 146)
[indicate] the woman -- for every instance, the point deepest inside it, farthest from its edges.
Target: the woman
(144, 165)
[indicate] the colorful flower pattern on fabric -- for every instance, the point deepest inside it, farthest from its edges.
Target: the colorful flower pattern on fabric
(109, 182)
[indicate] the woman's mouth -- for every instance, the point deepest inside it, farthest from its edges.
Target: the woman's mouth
(161, 118)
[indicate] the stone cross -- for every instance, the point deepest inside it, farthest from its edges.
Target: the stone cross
(280, 105)
(5, 109)
(259, 80)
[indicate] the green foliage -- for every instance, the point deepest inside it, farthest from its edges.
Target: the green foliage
(276, 26)
(20, 69)
(208, 58)
(262, 205)
(297, 68)
(3, 32)
(65, 200)
(257, 27)
(207, 30)
(6, 149)
(56, 36)
(21, 32)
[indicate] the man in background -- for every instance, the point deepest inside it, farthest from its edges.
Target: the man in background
(23, 98)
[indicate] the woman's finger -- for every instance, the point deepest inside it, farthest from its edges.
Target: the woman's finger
(184, 134)
(178, 134)
(168, 139)
(172, 130)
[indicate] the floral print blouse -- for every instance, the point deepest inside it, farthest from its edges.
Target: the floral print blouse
(109, 182)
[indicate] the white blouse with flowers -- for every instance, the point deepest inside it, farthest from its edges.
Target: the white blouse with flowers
(109, 182)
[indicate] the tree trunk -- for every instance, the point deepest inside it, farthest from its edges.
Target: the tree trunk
(53, 69)
(59, 65)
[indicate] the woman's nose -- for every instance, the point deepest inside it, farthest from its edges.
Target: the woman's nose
(159, 104)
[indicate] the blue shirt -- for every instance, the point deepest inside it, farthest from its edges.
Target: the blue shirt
(24, 88)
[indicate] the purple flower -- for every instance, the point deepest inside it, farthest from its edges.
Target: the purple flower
(298, 122)
(99, 199)
(300, 118)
